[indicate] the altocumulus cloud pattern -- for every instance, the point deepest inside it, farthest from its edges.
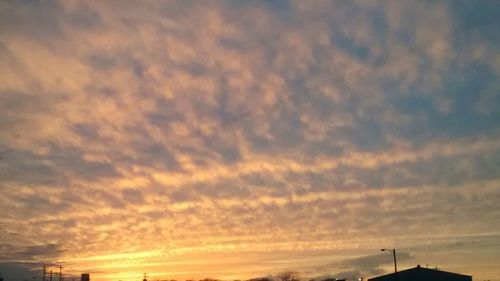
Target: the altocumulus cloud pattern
(236, 139)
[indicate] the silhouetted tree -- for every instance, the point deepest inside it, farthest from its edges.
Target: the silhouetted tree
(209, 279)
(260, 279)
(288, 276)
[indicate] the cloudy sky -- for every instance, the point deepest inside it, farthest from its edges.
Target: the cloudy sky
(237, 139)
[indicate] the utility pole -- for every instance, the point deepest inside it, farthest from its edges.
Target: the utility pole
(44, 271)
(50, 275)
(395, 263)
(60, 273)
(394, 256)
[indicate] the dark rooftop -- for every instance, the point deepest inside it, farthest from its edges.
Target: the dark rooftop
(420, 274)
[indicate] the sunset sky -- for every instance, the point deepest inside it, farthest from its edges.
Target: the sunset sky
(238, 139)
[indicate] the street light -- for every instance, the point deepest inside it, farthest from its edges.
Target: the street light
(394, 255)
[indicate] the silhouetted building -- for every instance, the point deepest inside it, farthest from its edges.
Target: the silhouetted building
(85, 277)
(419, 274)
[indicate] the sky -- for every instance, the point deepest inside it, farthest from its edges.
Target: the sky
(238, 139)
